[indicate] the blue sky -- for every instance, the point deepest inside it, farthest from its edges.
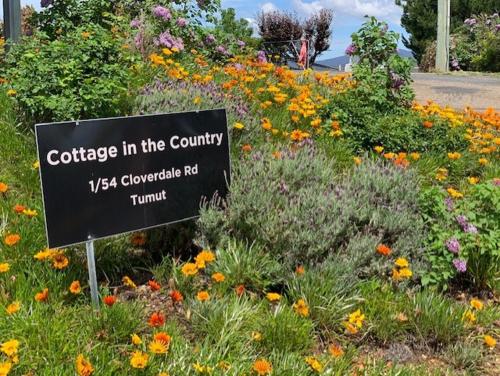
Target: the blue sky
(348, 14)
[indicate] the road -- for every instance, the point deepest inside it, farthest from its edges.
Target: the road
(458, 91)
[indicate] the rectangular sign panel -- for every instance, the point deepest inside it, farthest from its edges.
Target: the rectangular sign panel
(111, 176)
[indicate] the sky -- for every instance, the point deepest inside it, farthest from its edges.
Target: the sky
(348, 15)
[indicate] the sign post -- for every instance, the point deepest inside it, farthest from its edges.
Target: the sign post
(12, 19)
(443, 36)
(106, 177)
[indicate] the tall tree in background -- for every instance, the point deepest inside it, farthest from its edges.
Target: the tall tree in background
(239, 28)
(420, 19)
(318, 31)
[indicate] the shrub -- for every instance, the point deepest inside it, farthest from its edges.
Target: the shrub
(300, 211)
(84, 74)
(464, 237)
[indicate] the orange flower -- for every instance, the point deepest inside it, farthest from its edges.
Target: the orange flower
(246, 148)
(300, 270)
(3, 187)
(11, 239)
(203, 258)
(153, 285)
(75, 287)
(176, 296)
(239, 290)
(19, 208)
(335, 350)
(162, 337)
(490, 341)
(83, 366)
(157, 319)
(428, 124)
(59, 261)
(357, 161)
(384, 250)
(218, 277)
(189, 269)
(262, 367)
(138, 239)
(42, 296)
(109, 300)
(203, 296)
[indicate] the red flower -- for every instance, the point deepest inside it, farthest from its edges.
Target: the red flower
(19, 208)
(384, 250)
(157, 319)
(176, 296)
(109, 300)
(240, 289)
(153, 285)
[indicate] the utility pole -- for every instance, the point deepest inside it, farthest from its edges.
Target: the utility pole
(12, 19)
(443, 36)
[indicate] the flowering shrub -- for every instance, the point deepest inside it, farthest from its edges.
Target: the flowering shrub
(305, 212)
(464, 238)
(86, 73)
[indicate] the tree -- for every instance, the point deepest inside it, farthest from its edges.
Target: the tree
(420, 19)
(278, 29)
(239, 28)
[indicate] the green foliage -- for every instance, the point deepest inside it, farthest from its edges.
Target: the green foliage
(382, 77)
(300, 211)
(229, 24)
(77, 76)
(466, 229)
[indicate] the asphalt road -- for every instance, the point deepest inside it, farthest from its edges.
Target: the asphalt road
(458, 91)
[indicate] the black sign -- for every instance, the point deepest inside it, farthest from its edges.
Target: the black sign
(111, 176)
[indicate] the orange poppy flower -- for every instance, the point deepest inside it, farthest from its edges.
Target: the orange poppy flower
(383, 250)
(157, 319)
(42, 296)
(109, 300)
(12, 239)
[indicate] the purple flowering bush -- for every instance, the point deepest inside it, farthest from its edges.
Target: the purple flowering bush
(464, 245)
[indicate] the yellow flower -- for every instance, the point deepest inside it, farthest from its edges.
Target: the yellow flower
(314, 364)
(189, 269)
(204, 257)
(136, 340)
(266, 124)
(4, 267)
(218, 277)
(10, 348)
(316, 123)
(442, 174)
(139, 359)
(13, 307)
(5, 368)
(75, 287)
(415, 156)
(83, 366)
(11, 92)
(405, 273)
(158, 347)
(262, 367)
(85, 35)
(454, 193)
(256, 336)
(490, 341)
(454, 156)
(167, 51)
(301, 308)
(351, 329)
(238, 126)
(378, 149)
(273, 296)
(401, 262)
(128, 282)
(469, 316)
(473, 180)
(30, 213)
(357, 318)
(389, 155)
(357, 161)
(477, 304)
(197, 100)
(483, 161)
(59, 261)
(202, 296)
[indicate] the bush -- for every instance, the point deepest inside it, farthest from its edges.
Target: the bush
(84, 74)
(464, 237)
(300, 211)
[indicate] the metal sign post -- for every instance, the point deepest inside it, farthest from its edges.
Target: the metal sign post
(12, 19)
(443, 36)
(92, 274)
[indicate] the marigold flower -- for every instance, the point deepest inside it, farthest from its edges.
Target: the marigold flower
(59, 261)
(218, 277)
(157, 347)
(266, 124)
(10, 347)
(273, 296)
(477, 304)
(490, 341)
(3, 187)
(13, 307)
(314, 363)
(128, 282)
(176, 296)
(262, 367)
(157, 319)
(109, 300)
(383, 250)
(335, 350)
(189, 269)
(139, 360)
(75, 287)
(154, 286)
(301, 308)
(83, 366)
(4, 267)
(136, 340)
(42, 296)
(202, 296)
(203, 258)
(19, 208)
(12, 239)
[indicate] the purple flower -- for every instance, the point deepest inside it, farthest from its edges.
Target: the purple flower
(351, 49)
(241, 44)
(453, 245)
(221, 49)
(139, 40)
(462, 221)
(46, 3)
(455, 64)
(460, 265)
(162, 12)
(261, 57)
(470, 228)
(448, 201)
(181, 22)
(209, 39)
(497, 27)
(135, 23)
(165, 39)
(396, 81)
